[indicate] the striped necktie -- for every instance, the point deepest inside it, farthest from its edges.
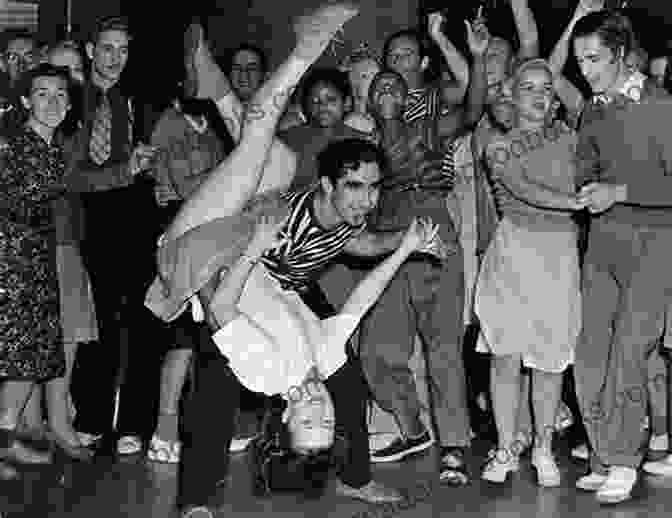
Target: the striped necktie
(100, 145)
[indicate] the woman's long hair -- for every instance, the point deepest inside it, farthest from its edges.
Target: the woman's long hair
(276, 467)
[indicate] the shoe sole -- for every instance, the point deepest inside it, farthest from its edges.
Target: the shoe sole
(611, 500)
(589, 487)
(664, 471)
(242, 445)
(356, 496)
(402, 455)
(497, 480)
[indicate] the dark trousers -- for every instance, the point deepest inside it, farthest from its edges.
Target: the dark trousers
(209, 419)
(424, 297)
(118, 251)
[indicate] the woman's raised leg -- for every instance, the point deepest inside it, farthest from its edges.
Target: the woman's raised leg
(237, 179)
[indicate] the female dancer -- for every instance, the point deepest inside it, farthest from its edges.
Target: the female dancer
(211, 249)
(527, 297)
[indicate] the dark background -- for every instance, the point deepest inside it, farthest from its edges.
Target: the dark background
(158, 25)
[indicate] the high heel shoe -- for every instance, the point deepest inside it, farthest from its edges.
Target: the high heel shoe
(316, 29)
(15, 451)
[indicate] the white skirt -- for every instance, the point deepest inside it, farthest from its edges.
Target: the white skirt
(528, 296)
(277, 339)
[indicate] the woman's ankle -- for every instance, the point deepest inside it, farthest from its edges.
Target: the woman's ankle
(167, 426)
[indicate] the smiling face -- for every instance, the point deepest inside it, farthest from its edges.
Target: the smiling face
(310, 418)
(533, 94)
(247, 73)
(600, 66)
(355, 194)
(326, 105)
(109, 55)
(48, 102)
(404, 56)
(20, 56)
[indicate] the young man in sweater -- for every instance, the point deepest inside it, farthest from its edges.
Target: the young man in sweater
(625, 157)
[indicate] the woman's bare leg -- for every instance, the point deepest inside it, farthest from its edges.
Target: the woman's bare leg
(173, 376)
(58, 400)
(213, 84)
(237, 179)
(32, 417)
(505, 392)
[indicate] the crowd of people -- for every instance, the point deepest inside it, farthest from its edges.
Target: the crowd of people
(287, 238)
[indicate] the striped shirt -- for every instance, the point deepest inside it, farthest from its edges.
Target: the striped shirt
(308, 247)
(421, 103)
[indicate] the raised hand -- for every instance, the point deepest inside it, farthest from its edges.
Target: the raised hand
(599, 197)
(419, 235)
(434, 24)
(478, 35)
(588, 6)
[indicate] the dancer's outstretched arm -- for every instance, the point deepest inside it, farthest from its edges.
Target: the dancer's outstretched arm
(237, 179)
(418, 237)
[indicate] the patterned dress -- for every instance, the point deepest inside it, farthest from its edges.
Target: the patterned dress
(31, 176)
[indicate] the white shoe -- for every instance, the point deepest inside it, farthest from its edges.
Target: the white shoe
(591, 482)
(618, 486)
(658, 442)
(500, 464)
(581, 452)
(87, 439)
(129, 445)
(662, 467)
(548, 474)
(239, 444)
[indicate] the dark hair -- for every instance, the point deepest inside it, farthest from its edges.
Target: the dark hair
(110, 23)
(247, 47)
(329, 76)
(411, 34)
(612, 27)
(43, 70)
(345, 155)
(276, 467)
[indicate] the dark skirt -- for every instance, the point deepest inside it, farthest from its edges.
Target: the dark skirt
(31, 347)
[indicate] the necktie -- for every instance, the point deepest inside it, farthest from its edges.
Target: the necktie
(100, 145)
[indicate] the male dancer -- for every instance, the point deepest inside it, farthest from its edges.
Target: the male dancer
(625, 151)
(212, 230)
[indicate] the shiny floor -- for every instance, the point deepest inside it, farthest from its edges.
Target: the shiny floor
(131, 487)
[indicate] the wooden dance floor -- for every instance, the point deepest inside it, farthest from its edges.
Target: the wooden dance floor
(131, 487)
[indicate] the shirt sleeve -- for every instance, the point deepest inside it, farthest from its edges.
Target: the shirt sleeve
(513, 176)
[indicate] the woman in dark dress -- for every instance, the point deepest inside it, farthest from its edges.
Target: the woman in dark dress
(31, 176)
